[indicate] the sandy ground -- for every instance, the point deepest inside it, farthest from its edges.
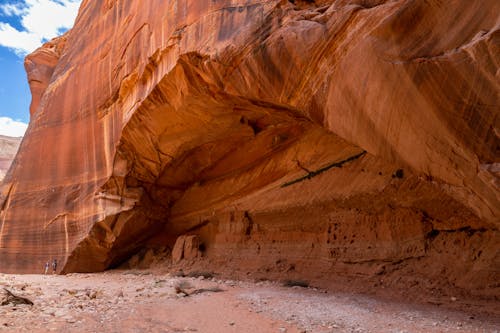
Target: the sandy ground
(145, 301)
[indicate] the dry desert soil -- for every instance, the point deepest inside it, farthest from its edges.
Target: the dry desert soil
(153, 301)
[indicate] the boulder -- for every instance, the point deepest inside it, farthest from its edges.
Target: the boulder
(186, 247)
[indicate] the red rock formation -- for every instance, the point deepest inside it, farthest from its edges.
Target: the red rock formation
(8, 150)
(40, 66)
(186, 247)
(346, 137)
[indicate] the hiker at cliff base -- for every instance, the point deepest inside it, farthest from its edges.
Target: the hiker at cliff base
(54, 266)
(47, 265)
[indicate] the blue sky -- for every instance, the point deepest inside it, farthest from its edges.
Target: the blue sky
(24, 26)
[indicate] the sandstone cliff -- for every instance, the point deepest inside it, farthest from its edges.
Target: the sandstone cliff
(317, 138)
(8, 150)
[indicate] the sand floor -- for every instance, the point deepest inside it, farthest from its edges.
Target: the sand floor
(149, 301)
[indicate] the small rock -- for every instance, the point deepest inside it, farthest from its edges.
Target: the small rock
(72, 292)
(231, 323)
(70, 319)
(94, 294)
(60, 313)
(49, 312)
(7, 297)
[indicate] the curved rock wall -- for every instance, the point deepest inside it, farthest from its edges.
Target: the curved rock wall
(349, 137)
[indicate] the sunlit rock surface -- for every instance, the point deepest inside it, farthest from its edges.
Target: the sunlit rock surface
(8, 150)
(40, 66)
(344, 137)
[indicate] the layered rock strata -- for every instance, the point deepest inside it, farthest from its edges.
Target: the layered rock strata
(345, 137)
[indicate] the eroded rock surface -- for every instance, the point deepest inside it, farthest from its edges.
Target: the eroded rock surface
(186, 247)
(40, 66)
(317, 138)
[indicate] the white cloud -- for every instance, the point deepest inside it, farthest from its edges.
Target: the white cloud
(22, 42)
(10, 127)
(41, 19)
(11, 9)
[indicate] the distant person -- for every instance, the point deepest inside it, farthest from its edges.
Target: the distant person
(54, 266)
(47, 265)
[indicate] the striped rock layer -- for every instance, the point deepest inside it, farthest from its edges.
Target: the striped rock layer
(310, 138)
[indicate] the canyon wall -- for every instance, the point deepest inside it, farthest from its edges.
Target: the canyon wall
(8, 149)
(319, 138)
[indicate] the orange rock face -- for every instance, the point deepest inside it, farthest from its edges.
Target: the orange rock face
(186, 247)
(40, 66)
(319, 138)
